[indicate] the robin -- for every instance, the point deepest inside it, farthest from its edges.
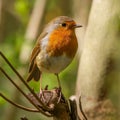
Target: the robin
(54, 49)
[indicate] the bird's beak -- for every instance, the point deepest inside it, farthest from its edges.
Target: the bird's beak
(77, 26)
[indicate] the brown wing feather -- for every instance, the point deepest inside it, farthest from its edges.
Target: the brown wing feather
(35, 52)
(34, 72)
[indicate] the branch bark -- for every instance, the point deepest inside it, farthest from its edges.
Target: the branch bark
(50, 103)
(60, 108)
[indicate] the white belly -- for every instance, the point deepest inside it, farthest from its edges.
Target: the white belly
(52, 64)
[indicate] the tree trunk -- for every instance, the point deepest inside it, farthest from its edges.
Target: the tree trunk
(100, 60)
(81, 9)
(32, 29)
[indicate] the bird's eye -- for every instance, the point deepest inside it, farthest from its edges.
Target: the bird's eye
(64, 24)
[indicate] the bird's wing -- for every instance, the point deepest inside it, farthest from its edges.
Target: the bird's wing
(34, 72)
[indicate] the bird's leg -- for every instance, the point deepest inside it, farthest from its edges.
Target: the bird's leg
(40, 84)
(60, 89)
(41, 94)
(58, 81)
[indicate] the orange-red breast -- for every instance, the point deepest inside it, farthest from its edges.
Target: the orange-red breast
(54, 49)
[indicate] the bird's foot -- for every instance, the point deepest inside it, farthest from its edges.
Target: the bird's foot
(41, 96)
(59, 94)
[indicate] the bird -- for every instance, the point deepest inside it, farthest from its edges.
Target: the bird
(55, 48)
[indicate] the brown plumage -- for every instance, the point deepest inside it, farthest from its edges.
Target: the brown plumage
(54, 49)
(34, 72)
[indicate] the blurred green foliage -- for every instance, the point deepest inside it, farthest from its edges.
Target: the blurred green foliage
(11, 46)
(22, 8)
(14, 31)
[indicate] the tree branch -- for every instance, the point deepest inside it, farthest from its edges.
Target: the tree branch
(50, 103)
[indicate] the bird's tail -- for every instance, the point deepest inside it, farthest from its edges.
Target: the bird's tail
(35, 74)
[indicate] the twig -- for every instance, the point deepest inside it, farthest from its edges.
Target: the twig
(18, 105)
(80, 106)
(23, 81)
(47, 102)
(23, 92)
